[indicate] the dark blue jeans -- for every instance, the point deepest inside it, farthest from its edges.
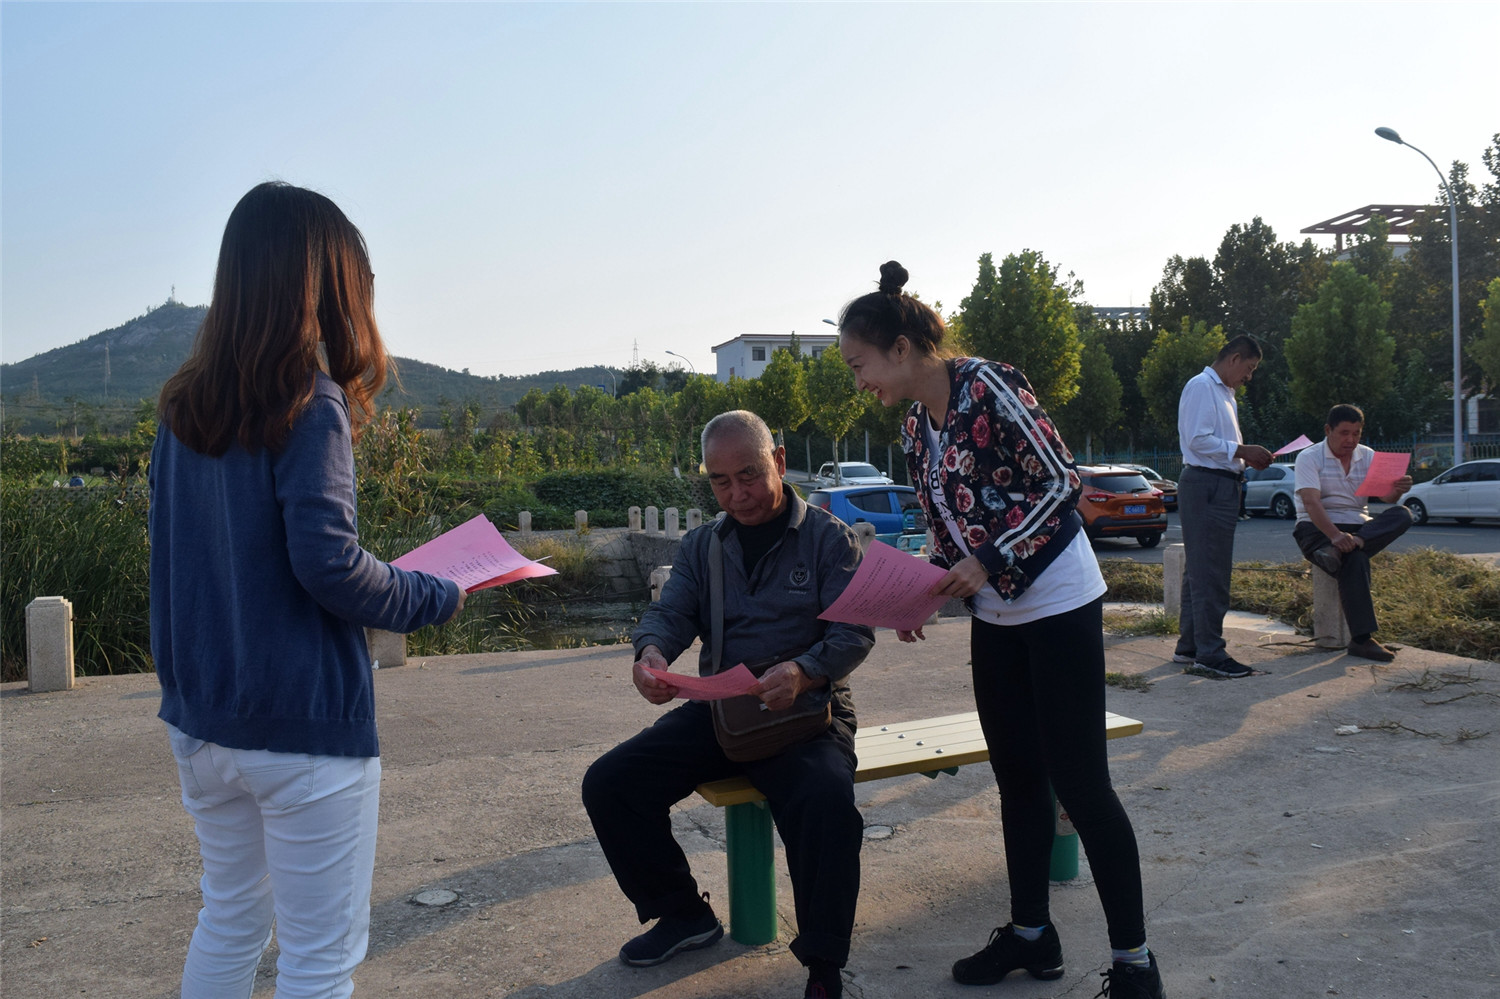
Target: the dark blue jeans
(630, 790)
(1039, 689)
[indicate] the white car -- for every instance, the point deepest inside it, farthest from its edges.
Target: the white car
(1463, 492)
(851, 473)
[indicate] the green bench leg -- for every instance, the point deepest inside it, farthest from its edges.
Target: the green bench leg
(752, 873)
(1064, 865)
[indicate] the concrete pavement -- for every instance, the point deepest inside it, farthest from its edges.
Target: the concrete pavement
(1279, 859)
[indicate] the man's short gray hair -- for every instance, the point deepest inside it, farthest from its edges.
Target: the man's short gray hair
(740, 423)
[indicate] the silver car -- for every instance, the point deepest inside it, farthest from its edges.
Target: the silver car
(1270, 490)
(851, 473)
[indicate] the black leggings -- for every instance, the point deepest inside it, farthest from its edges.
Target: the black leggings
(1039, 689)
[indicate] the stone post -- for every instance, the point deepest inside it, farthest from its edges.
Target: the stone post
(525, 522)
(634, 513)
(694, 518)
(1330, 630)
(387, 648)
(581, 521)
(672, 530)
(49, 644)
(658, 580)
(653, 525)
(1173, 565)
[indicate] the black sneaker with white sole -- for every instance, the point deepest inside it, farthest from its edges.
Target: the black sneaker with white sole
(671, 936)
(1042, 958)
(1227, 667)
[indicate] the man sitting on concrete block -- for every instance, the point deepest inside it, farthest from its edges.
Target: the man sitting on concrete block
(1333, 529)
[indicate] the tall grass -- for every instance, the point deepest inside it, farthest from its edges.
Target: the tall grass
(1424, 598)
(89, 547)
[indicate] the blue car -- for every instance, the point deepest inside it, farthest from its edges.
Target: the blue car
(884, 506)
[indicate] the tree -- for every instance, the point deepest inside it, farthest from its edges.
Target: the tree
(1022, 315)
(834, 401)
(1263, 282)
(1339, 350)
(1486, 350)
(779, 395)
(1171, 361)
(1096, 407)
(1188, 290)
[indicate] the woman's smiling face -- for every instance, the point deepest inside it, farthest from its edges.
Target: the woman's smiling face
(883, 373)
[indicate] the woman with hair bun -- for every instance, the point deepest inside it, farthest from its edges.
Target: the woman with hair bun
(260, 594)
(1000, 488)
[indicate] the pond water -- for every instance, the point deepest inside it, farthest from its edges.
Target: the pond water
(576, 624)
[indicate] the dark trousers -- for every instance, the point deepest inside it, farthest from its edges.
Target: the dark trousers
(1208, 506)
(1354, 573)
(630, 789)
(1039, 689)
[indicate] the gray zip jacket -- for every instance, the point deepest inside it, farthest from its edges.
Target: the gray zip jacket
(773, 612)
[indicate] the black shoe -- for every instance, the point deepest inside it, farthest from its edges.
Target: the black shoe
(1328, 559)
(1131, 981)
(1227, 667)
(1371, 649)
(672, 935)
(823, 982)
(1042, 958)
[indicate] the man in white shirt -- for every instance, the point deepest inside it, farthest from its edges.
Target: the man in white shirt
(1208, 501)
(1334, 531)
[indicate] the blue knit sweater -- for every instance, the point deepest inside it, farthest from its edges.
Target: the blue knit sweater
(260, 591)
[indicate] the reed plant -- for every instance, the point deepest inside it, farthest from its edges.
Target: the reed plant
(89, 547)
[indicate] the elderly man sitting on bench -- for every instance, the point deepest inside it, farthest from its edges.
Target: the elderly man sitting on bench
(781, 563)
(1334, 531)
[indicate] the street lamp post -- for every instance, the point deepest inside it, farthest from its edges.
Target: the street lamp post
(1458, 386)
(690, 365)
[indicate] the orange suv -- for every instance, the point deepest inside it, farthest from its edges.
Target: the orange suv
(1118, 502)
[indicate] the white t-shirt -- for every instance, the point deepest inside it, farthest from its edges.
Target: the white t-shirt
(1072, 580)
(1319, 468)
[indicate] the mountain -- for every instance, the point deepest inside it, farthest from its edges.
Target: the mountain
(100, 381)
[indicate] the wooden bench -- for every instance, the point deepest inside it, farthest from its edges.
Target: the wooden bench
(930, 746)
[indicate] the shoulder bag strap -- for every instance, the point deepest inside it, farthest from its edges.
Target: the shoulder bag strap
(716, 596)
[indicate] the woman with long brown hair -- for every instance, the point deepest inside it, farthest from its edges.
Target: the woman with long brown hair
(260, 593)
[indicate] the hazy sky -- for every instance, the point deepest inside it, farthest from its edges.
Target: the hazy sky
(545, 186)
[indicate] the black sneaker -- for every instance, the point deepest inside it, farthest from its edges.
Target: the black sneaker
(670, 936)
(1042, 958)
(1228, 667)
(823, 982)
(1131, 981)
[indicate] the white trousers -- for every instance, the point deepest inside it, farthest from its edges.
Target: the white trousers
(283, 835)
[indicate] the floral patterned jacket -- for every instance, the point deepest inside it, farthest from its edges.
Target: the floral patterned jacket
(1004, 474)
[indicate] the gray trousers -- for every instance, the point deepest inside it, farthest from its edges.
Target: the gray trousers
(1209, 507)
(1354, 573)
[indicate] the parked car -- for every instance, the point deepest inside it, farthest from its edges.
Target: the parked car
(850, 473)
(1119, 502)
(1463, 492)
(1270, 490)
(884, 506)
(1166, 487)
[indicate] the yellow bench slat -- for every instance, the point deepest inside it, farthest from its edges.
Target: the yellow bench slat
(922, 746)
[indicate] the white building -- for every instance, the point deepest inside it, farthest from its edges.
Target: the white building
(748, 354)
